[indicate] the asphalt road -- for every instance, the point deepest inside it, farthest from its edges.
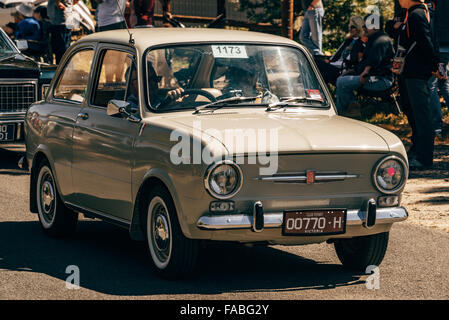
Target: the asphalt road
(33, 266)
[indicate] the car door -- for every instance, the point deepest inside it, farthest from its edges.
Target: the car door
(103, 144)
(63, 105)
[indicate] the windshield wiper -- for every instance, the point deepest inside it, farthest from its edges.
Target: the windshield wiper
(285, 103)
(223, 102)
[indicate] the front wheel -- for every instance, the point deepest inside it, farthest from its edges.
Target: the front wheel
(173, 255)
(55, 218)
(360, 252)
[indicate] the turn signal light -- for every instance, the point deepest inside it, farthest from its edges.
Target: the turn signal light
(388, 201)
(222, 206)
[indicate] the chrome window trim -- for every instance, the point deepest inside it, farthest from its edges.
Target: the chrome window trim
(211, 168)
(60, 73)
(301, 48)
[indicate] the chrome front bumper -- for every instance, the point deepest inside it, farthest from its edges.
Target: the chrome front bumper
(18, 130)
(275, 220)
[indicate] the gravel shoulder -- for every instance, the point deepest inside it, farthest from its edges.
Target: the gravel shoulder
(426, 194)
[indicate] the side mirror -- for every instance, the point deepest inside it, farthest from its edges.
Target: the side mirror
(116, 107)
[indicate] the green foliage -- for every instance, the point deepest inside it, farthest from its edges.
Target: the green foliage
(335, 23)
(265, 10)
(336, 18)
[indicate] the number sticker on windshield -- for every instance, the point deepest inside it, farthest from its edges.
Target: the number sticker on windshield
(229, 51)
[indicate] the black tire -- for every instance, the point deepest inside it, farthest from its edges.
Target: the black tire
(173, 255)
(360, 252)
(55, 218)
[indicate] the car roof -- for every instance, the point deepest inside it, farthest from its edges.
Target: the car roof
(146, 37)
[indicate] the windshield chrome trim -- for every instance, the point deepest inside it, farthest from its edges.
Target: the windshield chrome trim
(148, 109)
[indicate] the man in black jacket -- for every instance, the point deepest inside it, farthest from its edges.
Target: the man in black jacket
(374, 70)
(420, 64)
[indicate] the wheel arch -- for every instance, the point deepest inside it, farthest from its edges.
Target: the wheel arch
(42, 153)
(154, 177)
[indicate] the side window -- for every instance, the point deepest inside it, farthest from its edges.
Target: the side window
(72, 83)
(117, 67)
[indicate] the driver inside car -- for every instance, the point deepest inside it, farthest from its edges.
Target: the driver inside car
(158, 97)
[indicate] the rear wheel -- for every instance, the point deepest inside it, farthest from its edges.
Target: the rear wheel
(54, 217)
(173, 255)
(360, 252)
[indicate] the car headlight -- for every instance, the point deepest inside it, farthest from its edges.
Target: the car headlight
(390, 174)
(223, 179)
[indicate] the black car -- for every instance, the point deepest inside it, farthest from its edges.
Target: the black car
(22, 82)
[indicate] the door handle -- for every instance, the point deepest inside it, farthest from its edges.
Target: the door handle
(83, 115)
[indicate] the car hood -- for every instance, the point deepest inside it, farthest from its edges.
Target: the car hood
(18, 66)
(286, 133)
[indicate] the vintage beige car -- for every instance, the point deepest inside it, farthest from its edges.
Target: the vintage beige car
(186, 135)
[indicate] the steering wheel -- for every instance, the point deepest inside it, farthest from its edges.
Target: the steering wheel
(200, 92)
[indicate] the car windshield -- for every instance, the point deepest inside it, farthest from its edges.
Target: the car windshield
(6, 48)
(202, 75)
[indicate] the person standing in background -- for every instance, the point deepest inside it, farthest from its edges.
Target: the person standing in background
(28, 29)
(435, 105)
(144, 11)
(420, 64)
(111, 14)
(60, 12)
(40, 14)
(311, 34)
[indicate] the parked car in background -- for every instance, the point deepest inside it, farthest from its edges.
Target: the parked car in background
(22, 82)
(151, 130)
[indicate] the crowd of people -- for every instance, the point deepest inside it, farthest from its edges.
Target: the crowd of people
(373, 59)
(48, 29)
(406, 53)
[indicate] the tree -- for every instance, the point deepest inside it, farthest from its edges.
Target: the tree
(336, 18)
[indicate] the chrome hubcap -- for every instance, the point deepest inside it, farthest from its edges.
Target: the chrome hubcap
(161, 232)
(47, 197)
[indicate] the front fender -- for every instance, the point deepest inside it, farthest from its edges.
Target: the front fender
(161, 176)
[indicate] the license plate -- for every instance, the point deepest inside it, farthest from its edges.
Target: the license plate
(314, 222)
(7, 132)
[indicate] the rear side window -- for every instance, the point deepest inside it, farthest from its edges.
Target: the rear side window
(72, 83)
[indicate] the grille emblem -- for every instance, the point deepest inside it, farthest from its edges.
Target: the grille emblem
(310, 176)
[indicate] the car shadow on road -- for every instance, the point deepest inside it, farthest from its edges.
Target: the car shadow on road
(111, 263)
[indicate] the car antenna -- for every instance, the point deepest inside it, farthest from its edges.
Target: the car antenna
(131, 39)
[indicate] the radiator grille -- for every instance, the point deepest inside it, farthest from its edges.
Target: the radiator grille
(17, 96)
